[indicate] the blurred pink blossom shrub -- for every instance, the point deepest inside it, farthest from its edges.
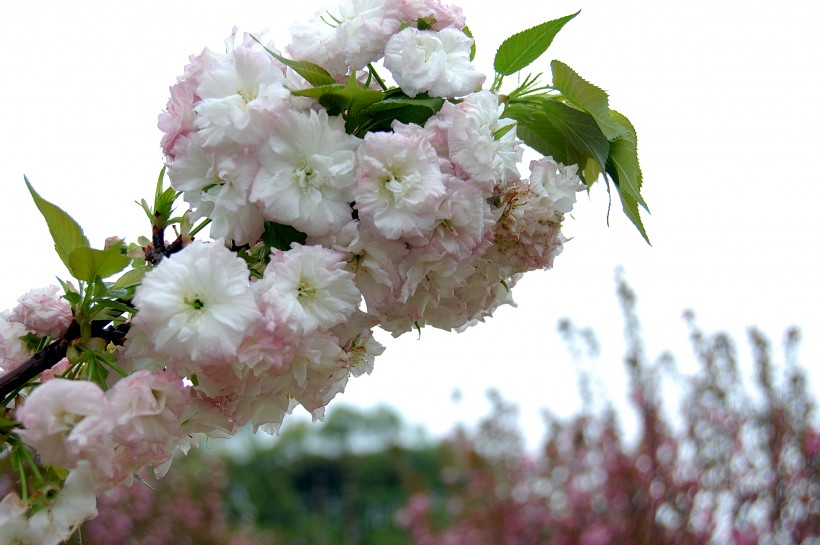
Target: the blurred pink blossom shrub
(742, 468)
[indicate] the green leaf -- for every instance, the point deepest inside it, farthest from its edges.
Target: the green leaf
(73, 298)
(622, 164)
(521, 49)
(570, 136)
(66, 233)
(281, 236)
(587, 97)
(467, 32)
(131, 278)
(106, 309)
(88, 263)
(313, 73)
(499, 133)
(590, 169)
(380, 115)
(630, 206)
(432, 104)
(623, 167)
(338, 98)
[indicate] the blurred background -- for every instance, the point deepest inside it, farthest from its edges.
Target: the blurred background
(723, 97)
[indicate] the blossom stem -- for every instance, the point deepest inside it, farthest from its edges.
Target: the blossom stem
(376, 76)
(199, 227)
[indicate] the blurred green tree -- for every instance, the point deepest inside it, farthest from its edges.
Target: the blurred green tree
(340, 482)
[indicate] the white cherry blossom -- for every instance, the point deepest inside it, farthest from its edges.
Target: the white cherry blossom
(436, 62)
(197, 304)
(307, 173)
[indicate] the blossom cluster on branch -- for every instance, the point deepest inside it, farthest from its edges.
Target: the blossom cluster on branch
(337, 199)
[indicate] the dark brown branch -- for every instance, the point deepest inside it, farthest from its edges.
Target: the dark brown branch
(158, 249)
(51, 355)
(39, 362)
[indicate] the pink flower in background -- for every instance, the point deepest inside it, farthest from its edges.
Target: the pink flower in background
(43, 311)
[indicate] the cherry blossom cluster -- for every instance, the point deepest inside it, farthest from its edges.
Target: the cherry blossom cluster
(405, 225)
(434, 221)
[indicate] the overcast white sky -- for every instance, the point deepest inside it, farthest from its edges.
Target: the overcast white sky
(723, 96)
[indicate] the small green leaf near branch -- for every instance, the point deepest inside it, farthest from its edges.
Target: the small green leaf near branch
(313, 73)
(66, 233)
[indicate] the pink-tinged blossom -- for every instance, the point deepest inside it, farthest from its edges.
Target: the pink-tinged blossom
(55, 370)
(528, 233)
(266, 410)
(347, 39)
(321, 371)
(12, 350)
(232, 216)
(447, 294)
(266, 352)
(197, 304)
(239, 98)
(435, 14)
(341, 239)
(400, 186)
(472, 127)
(465, 221)
(555, 184)
(376, 262)
(147, 407)
(177, 120)
(207, 416)
(216, 185)
(68, 421)
(356, 339)
(307, 174)
(307, 288)
(43, 311)
(196, 168)
(437, 63)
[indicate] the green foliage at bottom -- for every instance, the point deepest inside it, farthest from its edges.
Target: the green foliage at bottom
(340, 482)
